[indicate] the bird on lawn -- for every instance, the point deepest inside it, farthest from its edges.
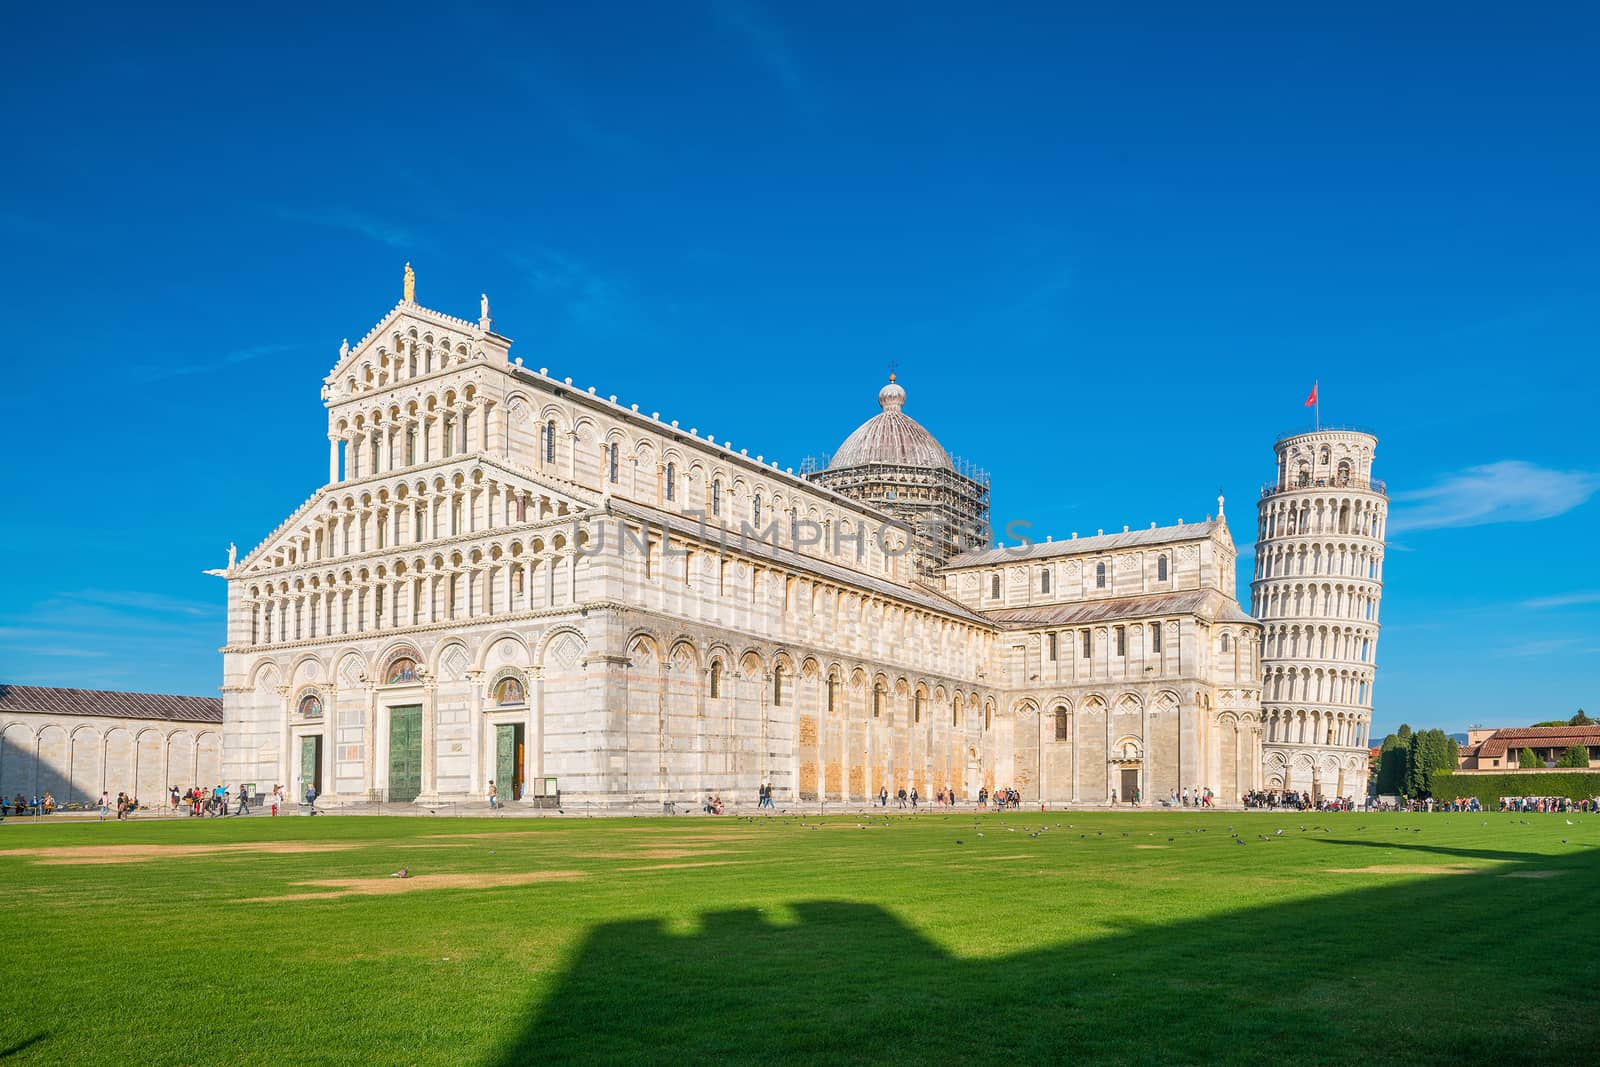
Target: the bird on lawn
(403, 872)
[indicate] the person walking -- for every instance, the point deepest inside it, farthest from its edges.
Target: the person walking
(494, 796)
(104, 805)
(244, 800)
(277, 798)
(913, 796)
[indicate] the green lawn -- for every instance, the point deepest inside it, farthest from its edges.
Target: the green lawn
(1116, 938)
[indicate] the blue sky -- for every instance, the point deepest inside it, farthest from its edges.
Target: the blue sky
(1109, 251)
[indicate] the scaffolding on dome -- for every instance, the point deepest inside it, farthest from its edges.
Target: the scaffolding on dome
(946, 508)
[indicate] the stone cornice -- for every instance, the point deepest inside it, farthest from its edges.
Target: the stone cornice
(488, 623)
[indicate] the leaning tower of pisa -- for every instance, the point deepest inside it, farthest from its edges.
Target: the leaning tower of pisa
(1318, 579)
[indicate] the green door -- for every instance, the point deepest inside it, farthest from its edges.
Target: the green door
(405, 753)
(310, 765)
(505, 761)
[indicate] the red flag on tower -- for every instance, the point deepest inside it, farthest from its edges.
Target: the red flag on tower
(1311, 401)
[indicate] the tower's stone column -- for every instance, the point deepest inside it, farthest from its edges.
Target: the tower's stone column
(1318, 581)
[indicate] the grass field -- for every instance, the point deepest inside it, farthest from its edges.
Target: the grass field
(942, 939)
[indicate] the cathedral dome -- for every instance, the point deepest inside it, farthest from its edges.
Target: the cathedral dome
(891, 437)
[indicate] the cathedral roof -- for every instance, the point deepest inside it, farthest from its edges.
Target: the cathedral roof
(1160, 535)
(102, 703)
(891, 437)
(784, 555)
(1206, 603)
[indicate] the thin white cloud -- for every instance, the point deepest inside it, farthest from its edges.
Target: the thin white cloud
(591, 298)
(1508, 491)
(140, 601)
(148, 374)
(1563, 600)
(768, 45)
(389, 233)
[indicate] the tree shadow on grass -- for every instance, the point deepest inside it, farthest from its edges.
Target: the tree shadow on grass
(23, 1045)
(1401, 972)
(1439, 850)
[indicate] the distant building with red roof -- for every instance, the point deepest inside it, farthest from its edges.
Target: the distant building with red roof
(1498, 750)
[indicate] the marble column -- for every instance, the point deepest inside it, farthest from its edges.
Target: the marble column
(430, 744)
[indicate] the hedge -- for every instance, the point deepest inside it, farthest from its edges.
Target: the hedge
(1489, 788)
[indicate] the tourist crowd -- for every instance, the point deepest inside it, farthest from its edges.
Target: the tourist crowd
(1296, 800)
(1588, 805)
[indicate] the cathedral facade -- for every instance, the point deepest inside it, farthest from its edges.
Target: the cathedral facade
(510, 578)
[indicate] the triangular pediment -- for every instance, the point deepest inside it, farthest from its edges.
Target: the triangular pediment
(405, 322)
(285, 547)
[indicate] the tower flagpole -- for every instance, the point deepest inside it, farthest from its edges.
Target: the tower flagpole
(1316, 391)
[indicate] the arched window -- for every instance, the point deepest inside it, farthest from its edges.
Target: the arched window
(716, 496)
(916, 709)
(716, 678)
(955, 712)
(311, 706)
(1099, 575)
(1344, 472)
(994, 586)
(877, 701)
(1303, 478)
(401, 671)
(509, 692)
(1161, 567)
(1227, 643)
(832, 691)
(987, 716)
(1155, 637)
(1044, 580)
(1062, 731)
(755, 509)
(611, 462)
(672, 480)
(777, 685)
(550, 441)
(1122, 640)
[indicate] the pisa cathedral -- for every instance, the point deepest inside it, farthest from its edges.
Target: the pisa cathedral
(507, 577)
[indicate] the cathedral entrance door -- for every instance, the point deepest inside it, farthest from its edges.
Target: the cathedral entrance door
(310, 764)
(1130, 784)
(508, 759)
(405, 753)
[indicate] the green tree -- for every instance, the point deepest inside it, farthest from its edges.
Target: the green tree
(1574, 756)
(1529, 758)
(1392, 758)
(1580, 719)
(1430, 752)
